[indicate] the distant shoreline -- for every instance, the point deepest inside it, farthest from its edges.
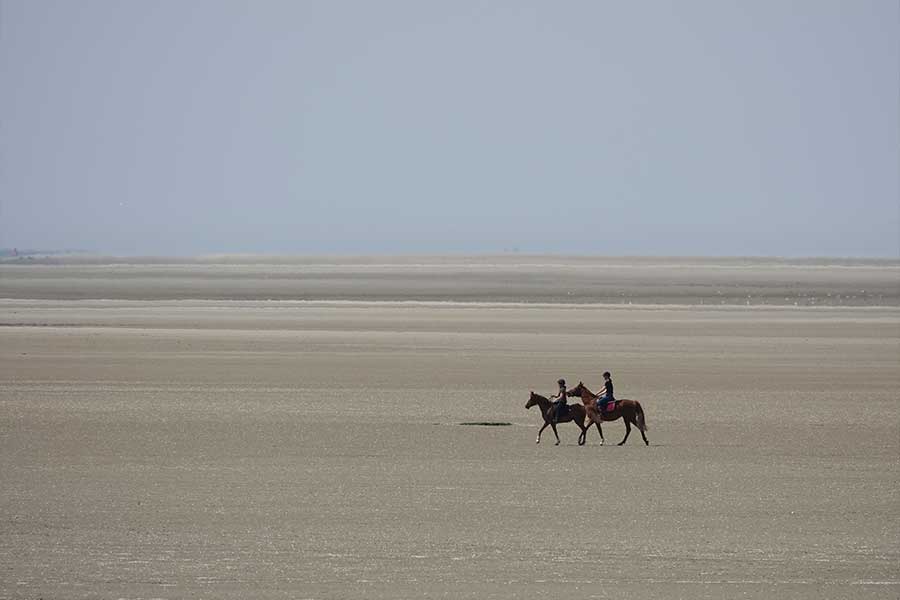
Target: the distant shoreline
(503, 279)
(78, 258)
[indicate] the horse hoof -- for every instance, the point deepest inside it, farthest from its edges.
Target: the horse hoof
(556, 444)
(538, 441)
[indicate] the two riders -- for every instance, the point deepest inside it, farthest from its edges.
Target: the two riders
(603, 398)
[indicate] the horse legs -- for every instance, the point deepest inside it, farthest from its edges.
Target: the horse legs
(600, 431)
(553, 426)
(627, 431)
(582, 437)
(538, 440)
(643, 435)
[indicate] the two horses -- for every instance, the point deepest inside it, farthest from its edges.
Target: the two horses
(630, 411)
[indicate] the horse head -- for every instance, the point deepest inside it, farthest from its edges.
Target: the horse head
(532, 400)
(576, 391)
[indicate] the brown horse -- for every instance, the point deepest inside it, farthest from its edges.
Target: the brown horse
(629, 411)
(575, 414)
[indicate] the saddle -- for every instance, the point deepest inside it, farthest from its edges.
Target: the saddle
(610, 406)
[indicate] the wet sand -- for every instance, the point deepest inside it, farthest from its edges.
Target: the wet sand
(183, 435)
(528, 279)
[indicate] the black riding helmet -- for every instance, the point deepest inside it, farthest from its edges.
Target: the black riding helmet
(606, 374)
(561, 382)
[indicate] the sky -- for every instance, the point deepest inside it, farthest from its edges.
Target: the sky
(696, 127)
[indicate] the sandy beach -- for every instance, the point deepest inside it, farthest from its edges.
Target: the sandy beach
(233, 428)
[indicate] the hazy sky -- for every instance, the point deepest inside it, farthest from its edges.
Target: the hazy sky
(645, 127)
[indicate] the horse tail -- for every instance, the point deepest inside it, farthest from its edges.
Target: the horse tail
(641, 419)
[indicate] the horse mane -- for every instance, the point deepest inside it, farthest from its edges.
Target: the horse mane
(584, 391)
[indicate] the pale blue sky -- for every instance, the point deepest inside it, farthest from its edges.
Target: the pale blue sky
(599, 127)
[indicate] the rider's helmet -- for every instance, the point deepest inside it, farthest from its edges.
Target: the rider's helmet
(561, 382)
(606, 374)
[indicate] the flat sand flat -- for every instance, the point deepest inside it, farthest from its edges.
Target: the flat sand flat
(157, 442)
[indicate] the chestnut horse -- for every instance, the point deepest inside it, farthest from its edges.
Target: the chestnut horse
(629, 411)
(575, 413)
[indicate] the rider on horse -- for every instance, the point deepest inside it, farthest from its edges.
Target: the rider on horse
(559, 401)
(605, 396)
